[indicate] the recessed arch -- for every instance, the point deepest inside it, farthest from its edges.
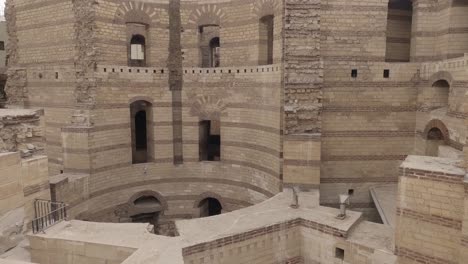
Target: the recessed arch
(141, 119)
(148, 193)
(436, 123)
(442, 75)
(435, 134)
(207, 200)
(207, 14)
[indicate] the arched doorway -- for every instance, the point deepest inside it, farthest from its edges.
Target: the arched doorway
(147, 210)
(210, 207)
(435, 138)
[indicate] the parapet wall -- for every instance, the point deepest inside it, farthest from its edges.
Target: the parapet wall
(430, 211)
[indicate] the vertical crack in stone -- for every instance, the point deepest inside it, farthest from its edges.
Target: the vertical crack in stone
(174, 63)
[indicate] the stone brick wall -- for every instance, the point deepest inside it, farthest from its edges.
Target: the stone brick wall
(429, 210)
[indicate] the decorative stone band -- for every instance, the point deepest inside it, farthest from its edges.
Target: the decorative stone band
(429, 218)
(367, 133)
(372, 109)
(464, 241)
(362, 157)
(432, 176)
(389, 179)
(299, 222)
(419, 257)
(186, 180)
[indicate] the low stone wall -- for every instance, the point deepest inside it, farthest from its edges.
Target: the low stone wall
(430, 210)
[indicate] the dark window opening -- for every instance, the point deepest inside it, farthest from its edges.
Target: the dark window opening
(351, 192)
(137, 51)
(210, 46)
(2, 45)
(339, 253)
(399, 28)
(210, 141)
(210, 207)
(141, 131)
(386, 74)
(354, 73)
(266, 40)
(215, 52)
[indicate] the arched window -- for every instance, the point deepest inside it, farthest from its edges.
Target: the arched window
(435, 138)
(210, 207)
(215, 52)
(440, 94)
(266, 35)
(210, 140)
(137, 50)
(209, 46)
(399, 28)
(141, 116)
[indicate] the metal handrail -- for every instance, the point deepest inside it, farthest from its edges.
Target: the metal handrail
(47, 214)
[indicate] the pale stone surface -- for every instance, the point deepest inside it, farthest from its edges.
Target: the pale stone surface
(384, 197)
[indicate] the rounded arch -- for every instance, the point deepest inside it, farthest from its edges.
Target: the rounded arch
(264, 8)
(207, 195)
(134, 12)
(146, 99)
(436, 124)
(207, 14)
(441, 76)
(148, 193)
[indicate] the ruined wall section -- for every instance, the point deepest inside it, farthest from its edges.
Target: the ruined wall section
(86, 51)
(302, 96)
(21, 130)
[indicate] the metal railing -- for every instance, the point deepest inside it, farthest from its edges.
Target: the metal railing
(47, 214)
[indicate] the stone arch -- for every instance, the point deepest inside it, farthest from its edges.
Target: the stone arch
(441, 76)
(209, 14)
(156, 195)
(141, 98)
(208, 108)
(262, 8)
(436, 123)
(206, 196)
(135, 12)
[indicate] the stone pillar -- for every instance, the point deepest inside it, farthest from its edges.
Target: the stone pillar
(303, 83)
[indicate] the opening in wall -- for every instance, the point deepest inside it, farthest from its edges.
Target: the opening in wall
(137, 51)
(210, 46)
(266, 40)
(435, 138)
(210, 140)
(210, 207)
(440, 94)
(399, 28)
(141, 116)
